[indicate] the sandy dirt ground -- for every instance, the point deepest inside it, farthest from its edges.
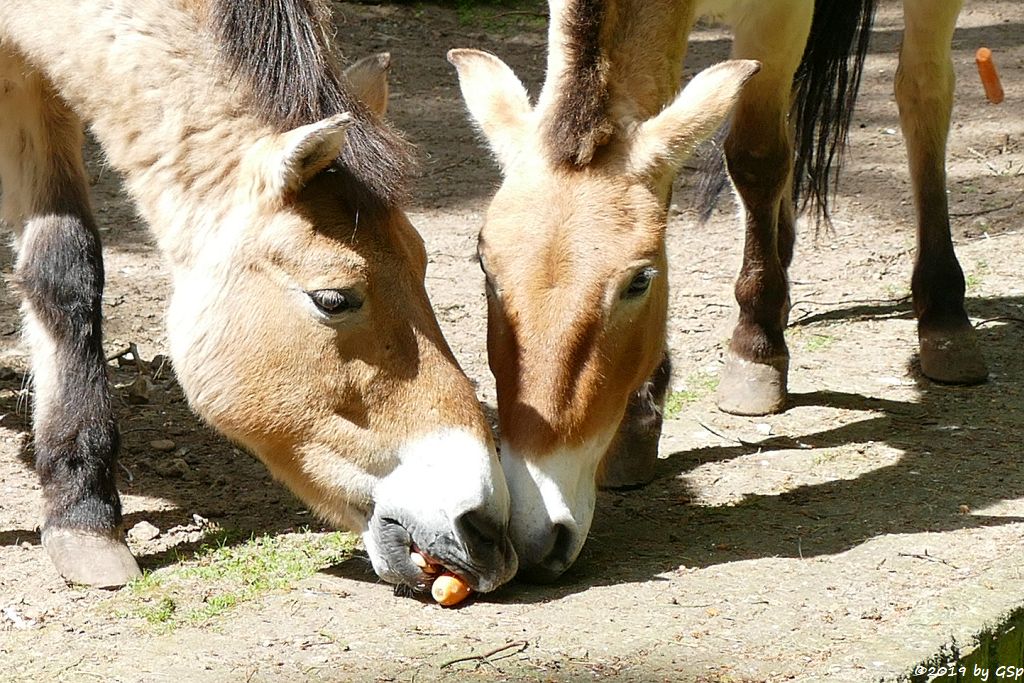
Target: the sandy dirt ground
(879, 518)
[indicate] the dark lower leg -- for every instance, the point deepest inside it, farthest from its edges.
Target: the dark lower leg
(924, 91)
(630, 460)
(60, 274)
(757, 362)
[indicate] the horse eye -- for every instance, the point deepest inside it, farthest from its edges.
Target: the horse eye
(335, 301)
(640, 283)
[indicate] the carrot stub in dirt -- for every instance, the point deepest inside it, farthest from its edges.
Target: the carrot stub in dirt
(989, 76)
(449, 590)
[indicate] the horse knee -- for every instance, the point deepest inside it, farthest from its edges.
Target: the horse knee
(760, 172)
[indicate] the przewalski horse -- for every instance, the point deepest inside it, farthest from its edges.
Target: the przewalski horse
(573, 245)
(299, 325)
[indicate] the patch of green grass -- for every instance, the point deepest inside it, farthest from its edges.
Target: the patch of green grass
(819, 342)
(974, 279)
(223, 574)
(698, 385)
(500, 15)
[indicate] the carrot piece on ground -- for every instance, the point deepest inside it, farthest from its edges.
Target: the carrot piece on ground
(989, 76)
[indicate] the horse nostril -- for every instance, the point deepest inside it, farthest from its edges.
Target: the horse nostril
(561, 547)
(480, 532)
(559, 556)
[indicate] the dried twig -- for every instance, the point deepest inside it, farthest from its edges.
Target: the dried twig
(748, 444)
(133, 351)
(447, 167)
(1000, 319)
(485, 658)
(522, 13)
(982, 212)
(929, 558)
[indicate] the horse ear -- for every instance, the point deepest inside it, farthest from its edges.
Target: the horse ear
(662, 143)
(369, 80)
(496, 99)
(305, 151)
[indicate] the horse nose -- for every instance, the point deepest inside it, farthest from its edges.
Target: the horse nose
(559, 542)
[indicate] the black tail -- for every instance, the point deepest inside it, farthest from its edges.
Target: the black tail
(824, 91)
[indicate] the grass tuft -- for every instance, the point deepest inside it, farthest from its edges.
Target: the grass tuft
(698, 385)
(226, 572)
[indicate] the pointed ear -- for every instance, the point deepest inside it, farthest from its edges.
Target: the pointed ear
(496, 100)
(662, 143)
(369, 80)
(303, 152)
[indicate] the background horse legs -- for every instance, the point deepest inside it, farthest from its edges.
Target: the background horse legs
(759, 155)
(631, 458)
(60, 274)
(924, 92)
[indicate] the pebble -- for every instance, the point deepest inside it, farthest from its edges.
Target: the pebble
(143, 531)
(162, 445)
(176, 467)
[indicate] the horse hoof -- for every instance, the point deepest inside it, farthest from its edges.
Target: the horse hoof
(952, 357)
(89, 558)
(630, 460)
(749, 388)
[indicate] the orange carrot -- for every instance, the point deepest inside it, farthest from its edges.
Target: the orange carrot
(989, 77)
(449, 590)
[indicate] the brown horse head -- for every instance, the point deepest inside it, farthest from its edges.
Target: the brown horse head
(573, 248)
(302, 330)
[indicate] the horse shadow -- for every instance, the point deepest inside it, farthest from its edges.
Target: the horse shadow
(958, 453)
(203, 474)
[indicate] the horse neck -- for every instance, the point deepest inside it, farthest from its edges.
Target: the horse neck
(643, 43)
(142, 74)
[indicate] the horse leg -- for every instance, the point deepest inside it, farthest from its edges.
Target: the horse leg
(924, 92)
(59, 272)
(759, 155)
(633, 453)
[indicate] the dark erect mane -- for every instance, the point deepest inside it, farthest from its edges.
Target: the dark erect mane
(579, 123)
(284, 52)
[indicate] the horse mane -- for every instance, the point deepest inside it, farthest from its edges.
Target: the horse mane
(283, 50)
(579, 122)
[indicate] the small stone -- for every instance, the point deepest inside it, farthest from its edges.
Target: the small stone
(176, 468)
(162, 445)
(143, 531)
(139, 390)
(7, 373)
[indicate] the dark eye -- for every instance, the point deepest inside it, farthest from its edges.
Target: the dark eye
(640, 283)
(335, 301)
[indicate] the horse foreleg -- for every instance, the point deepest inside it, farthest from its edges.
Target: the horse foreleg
(59, 271)
(924, 92)
(759, 155)
(631, 458)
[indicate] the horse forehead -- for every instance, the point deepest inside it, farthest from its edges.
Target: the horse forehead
(561, 209)
(574, 247)
(311, 232)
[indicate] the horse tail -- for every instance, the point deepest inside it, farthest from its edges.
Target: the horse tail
(824, 91)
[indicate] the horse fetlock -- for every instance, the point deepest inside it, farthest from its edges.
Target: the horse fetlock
(753, 387)
(91, 558)
(951, 355)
